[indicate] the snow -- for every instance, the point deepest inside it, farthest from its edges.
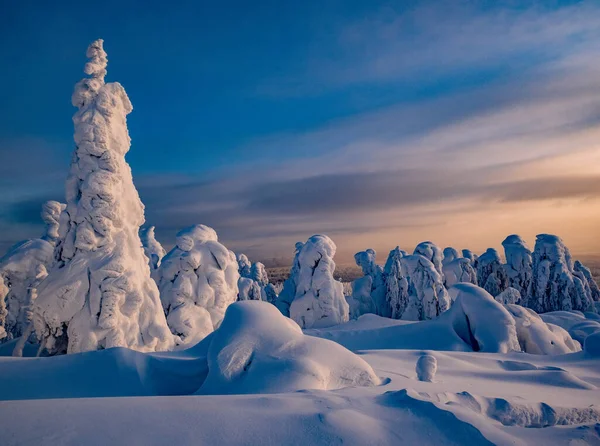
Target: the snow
(319, 298)
(509, 296)
(244, 265)
(288, 293)
(578, 324)
(426, 367)
(491, 274)
(198, 280)
(427, 296)
(248, 289)
(592, 345)
(366, 260)
(396, 283)
(258, 350)
(585, 275)
(518, 263)
(457, 269)
(432, 252)
(152, 248)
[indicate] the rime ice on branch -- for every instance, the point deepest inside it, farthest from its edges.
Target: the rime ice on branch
(319, 299)
(198, 280)
(100, 294)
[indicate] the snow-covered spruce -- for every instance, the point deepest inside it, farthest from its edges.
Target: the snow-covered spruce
(432, 252)
(426, 367)
(198, 280)
(491, 274)
(468, 254)
(99, 294)
(319, 299)
(457, 269)
(585, 275)
(553, 285)
(248, 289)
(3, 311)
(518, 263)
(244, 265)
(360, 301)
(509, 296)
(257, 350)
(367, 262)
(427, 296)
(538, 337)
(152, 248)
(287, 294)
(259, 275)
(396, 283)
(24, 266)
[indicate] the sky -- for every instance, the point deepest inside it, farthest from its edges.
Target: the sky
(377, 123)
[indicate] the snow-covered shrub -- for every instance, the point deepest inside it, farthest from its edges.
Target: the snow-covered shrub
(509, 296)
(257, 350)
(152, 248)
(198, 280)
(248, 289)
(244, 265)
(426, 367)
(457, 269)
(360, 300)
(366, 261)
(553, 286)
(585, 275)
(396, 283)
(99, 294)
(480, 321)
(491, 274)
(287, 294)
(431, 252)
(538, 337)
(518, 263)
(319, 299)
(427, 296)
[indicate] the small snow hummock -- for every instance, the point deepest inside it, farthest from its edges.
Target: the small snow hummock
(258, 350)
(554, 287)
(319, 299)
(457, 269)
(198, 280)
(99, 294)
(427, 296)
(367, 262)
(152, 248)
(396, 283)
(285, 298)
(426, 367)
(491, 274)
(518, 263)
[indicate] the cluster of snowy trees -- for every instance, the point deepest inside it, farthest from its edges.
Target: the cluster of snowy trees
(96, 279)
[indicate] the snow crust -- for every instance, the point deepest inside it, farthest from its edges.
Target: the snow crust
(198, 280)
(319, 298)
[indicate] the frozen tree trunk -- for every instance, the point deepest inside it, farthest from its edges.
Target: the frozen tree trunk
(553, 286)
(319, 300)
(366, 261)
(198, 280)
(152, 248)
(428, 297)
(518, 263)
(396, 283)
(100, 293)
(285, 298)
(491, 273)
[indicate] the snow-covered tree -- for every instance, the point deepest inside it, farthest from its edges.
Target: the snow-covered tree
(509, 296)
(319, 300)
(396, 283)
(491, 274)
(152, 248)
(360, 301)
(585, 275)
(3, 311)
(553, 287)
(518, 263)
(248, 289)
(99, 294)
(269, 293)
(428, 297)
(457, 269)
(198, 280)
(244, 265)
(431, 252)
(367, 262)
(258, 273)
(285, 298)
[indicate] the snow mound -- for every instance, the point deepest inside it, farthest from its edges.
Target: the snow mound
(258, 350)
(539, 338)
(426, 367)
(592, 345)
(319, 299)
(198, 280)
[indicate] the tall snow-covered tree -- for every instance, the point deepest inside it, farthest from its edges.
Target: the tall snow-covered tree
(428, 297)
(99, 294)
(518, 263)
(258, 273)
(367, 262)
(491, 274)
(396, 283)
(244, 265)
(152, 248)
(198, 280)
(554, 287)
(468, 254)
(585, 275)
(285, 298)
(319, 299)
(431, 252)
(457, 269)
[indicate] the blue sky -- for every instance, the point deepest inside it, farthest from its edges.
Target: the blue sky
(378, 123)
